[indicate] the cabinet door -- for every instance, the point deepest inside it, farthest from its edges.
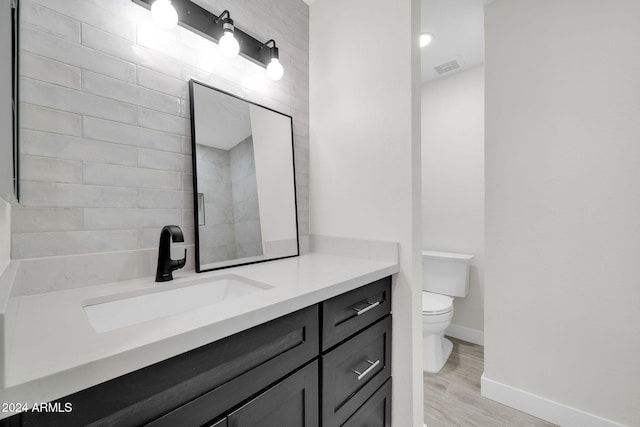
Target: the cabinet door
(376, 412)
(290, 403)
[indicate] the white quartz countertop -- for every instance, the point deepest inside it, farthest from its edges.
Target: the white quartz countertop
(52, 350)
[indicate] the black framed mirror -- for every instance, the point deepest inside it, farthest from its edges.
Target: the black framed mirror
(244, 194)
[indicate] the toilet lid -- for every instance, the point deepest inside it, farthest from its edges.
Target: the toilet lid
(436, 303)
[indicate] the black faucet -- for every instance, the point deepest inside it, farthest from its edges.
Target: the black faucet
(166, 265)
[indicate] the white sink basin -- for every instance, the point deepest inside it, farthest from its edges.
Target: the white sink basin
(118, 313)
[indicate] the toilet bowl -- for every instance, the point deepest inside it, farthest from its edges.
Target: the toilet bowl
(437, 312)
(445, 275)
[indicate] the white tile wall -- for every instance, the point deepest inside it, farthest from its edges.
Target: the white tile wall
(105, 132)
(41, 68)
(68, 147)
(35, 117)
(133, 135)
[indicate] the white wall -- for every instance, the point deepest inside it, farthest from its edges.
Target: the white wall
(453, 183)
(365, 154)
(562, 318)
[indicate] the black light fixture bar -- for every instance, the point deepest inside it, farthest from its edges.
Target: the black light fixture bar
(204, 23)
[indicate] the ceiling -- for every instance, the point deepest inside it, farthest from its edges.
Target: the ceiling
(457, 27)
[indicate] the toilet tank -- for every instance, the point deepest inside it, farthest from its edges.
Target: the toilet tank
(446, 273)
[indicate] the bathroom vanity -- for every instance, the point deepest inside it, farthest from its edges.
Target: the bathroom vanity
(325, 362)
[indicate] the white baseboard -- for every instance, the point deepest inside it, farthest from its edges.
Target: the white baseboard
(541, 407)
(463, 333)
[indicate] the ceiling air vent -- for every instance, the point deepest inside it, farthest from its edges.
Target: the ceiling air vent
(446, 67)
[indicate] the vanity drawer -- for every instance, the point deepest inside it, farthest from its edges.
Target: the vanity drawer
(352, 372)
(349, 313)
(277, 350)
(376, 412)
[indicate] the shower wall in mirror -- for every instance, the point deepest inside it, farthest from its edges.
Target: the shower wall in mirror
(244, 180)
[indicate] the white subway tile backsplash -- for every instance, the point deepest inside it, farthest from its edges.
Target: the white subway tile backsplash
(35, 117)
(149, 238)
(41, 194)
(154, 159)
(164, 199)
(67, 147)
(128, 50)
(161, 82)
(74, 101)
(32, 245)
(40, 68)
(39, 275)
(109, 87)
(125, 176)
(119, 218)
(29, 220)
(186, 144)
(188, 220)
(105, 130)
(165, 122)
(46, 169)
(189, 72)
(187, 181)
(40, 43)
(204, 56)
(113, 16)
(52, 22)
(185, 109)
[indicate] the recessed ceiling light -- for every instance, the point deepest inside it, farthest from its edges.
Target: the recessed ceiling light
(425, 39)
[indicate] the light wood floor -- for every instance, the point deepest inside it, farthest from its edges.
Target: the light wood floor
(452, 396)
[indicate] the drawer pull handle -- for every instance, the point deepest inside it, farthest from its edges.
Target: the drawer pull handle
(369, 306)
(363, 374)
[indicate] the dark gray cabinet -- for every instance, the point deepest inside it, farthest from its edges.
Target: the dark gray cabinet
(349, 313)
(354, 371)
(356, 355)
(322, 365)
(290, 403)
(376, 412)
(261, 356)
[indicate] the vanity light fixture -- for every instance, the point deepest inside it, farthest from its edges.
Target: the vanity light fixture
(275, 71)
(164, 14)
(221, 29)
(229, 46)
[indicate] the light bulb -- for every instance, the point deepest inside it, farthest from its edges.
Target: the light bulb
(274, 69)
(164, 14)
(228, 45)
(425, 39)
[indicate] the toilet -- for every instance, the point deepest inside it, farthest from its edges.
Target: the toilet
(444, 275)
